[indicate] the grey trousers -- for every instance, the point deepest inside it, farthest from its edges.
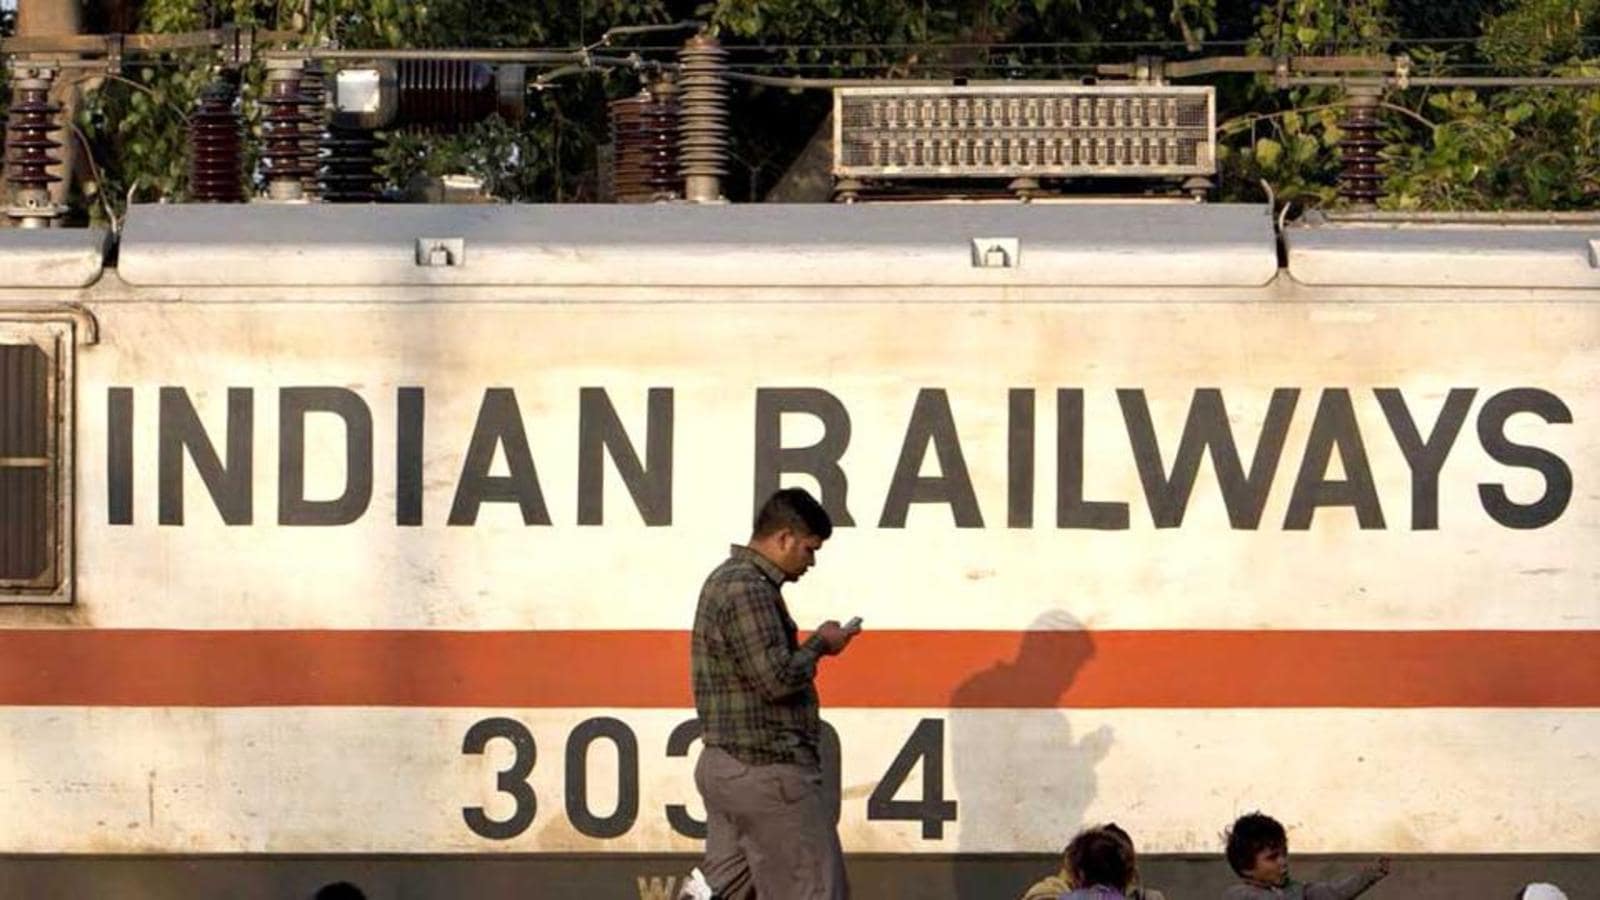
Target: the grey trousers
(769, 831)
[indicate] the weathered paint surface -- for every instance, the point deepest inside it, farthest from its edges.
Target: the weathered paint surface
(1024, 760)
(299, 780)
(500, 573)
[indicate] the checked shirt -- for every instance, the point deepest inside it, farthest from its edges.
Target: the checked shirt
(752, 678)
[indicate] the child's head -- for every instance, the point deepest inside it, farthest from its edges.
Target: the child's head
(1258, 849)
(1098, 857)
(1116, 831)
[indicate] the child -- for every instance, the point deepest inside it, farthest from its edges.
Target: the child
(1062, 882)
(1258, 851)
(1099, 864)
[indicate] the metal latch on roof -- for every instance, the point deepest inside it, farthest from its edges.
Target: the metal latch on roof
(1594, 253)
(441, 252)
(996, 253)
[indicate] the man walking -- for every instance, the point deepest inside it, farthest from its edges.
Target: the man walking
(769, 825)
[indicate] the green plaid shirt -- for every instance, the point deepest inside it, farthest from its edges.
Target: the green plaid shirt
(752, 677)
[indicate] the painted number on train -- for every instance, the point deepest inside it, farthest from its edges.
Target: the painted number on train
(922, 752)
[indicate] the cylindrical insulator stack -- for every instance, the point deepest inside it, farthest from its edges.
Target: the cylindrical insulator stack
(659, 128)
(349, 171)
(1360, 182)
(30, 151)
(627, 160)
(444, 94)
(703, 122)
(644, 136)
(216, 146)
(314, 88)
(284, 156)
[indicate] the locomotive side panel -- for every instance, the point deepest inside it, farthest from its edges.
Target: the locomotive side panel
(384, 577)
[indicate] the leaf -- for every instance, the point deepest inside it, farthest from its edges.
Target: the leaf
(1306, 35)
(1268, 152)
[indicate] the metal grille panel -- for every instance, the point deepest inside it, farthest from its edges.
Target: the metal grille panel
(25, 467)
(1001, 131)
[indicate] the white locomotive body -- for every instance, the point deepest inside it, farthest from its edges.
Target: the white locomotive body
(375, 533)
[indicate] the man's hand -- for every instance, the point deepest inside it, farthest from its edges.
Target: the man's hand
(834, 637)
(1381, 867)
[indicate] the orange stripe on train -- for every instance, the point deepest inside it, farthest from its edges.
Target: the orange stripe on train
(936, 669)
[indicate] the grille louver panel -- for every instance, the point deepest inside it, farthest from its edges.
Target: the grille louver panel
(1024, 131)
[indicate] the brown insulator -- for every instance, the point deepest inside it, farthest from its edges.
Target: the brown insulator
(349, 171)
(216, 146)
(658, 129)
(30, 151)
(703, 121)
(644, 135)
(444, 94)
(313, 87)
(1360, 182)
(628, 181)
(283, 154)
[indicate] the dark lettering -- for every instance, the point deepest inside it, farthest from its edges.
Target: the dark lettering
(1019, 459)
(819, 460)
(293, 405)
(601, 432)
(925, 746)
(1334, 428)
(1072, 511)
(410, 404)
(119, 455)
(1557, 476)
(1425, 458)
(678, 744)
(512, 781)
(499, 425)
(179, 432)
(627, 811)
(1206, 429)
(931, 424)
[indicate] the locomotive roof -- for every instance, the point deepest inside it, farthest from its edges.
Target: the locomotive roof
(1110, 244)
(682, 244)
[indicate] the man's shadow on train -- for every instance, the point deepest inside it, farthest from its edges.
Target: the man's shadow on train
(1023, 784)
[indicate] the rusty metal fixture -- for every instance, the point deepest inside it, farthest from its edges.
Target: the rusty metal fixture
(313, 87)
(30, 149)
(349, 172)
(284, 156)
(216, 146)
(703, 121)
(644, 134)
(1360, 182)
(448, 94)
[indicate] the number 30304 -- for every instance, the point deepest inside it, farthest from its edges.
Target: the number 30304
(925, 744)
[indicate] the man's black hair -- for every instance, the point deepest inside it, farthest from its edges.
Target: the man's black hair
(340, 890)
(1099, 857)
(1251, 834)
(796, 510)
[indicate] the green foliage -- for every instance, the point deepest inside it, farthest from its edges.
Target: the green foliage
(1537, 31)
(1519, 149)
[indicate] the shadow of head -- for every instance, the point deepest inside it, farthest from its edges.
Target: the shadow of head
(1049, 655)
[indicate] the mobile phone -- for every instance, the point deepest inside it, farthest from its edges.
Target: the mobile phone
(853, 625)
